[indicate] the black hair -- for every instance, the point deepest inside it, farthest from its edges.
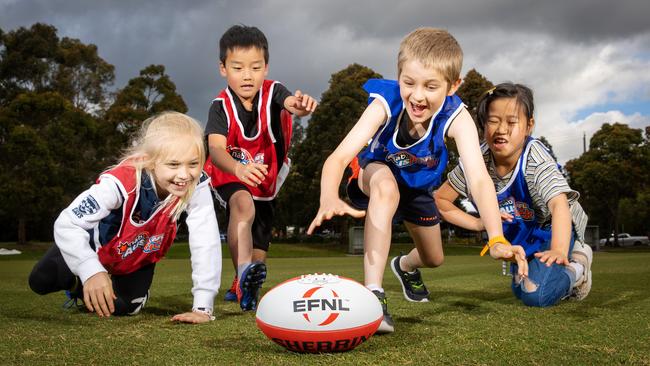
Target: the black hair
(522, 93)
(245, 37)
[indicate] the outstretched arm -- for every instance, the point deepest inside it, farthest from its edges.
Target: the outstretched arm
(330, 203)
(560, 232)
(463, 131)
(445, 197)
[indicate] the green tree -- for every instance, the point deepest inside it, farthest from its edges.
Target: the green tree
(615, 168)
(145, 95)
(472, 89)
(36, 60)
(48, 137)
(340, 107)
(47, 148)
(548, 145)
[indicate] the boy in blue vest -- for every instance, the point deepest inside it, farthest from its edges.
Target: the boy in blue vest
(407, 122)
(249, 133)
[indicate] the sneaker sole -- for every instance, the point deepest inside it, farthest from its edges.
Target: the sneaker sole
(254, 277)
(399, 279)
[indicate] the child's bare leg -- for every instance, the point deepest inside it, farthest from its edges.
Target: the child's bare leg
(240, 237)
(428, 248)
(259, 255)
(378, 183)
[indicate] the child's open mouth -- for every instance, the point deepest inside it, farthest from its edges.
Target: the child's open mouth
(499, 142)
(418, 109)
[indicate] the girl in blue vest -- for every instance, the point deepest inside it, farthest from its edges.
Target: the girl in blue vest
(540, 211)
(407, 122)
(108, 241)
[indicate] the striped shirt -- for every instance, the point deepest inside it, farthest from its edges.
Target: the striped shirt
(544, 181)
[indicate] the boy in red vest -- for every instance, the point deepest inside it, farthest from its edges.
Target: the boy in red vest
(249, 133)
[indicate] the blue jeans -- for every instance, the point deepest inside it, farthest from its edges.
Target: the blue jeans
(553, 283)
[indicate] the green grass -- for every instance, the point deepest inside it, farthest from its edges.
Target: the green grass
(472, 318)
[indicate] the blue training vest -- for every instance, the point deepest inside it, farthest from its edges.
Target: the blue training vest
(515, 199)
(421, 165)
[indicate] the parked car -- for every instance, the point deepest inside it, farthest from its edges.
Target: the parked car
(625, 240)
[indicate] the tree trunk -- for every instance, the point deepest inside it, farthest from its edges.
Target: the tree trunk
(22, 230)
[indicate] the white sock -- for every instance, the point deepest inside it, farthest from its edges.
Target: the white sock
(578, 268)
(405, 266)
(373, 287)
(241, 268)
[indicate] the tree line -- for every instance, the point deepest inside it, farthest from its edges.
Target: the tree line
(60, 125)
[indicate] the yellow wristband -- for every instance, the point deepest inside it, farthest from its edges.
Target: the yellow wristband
(493, 241)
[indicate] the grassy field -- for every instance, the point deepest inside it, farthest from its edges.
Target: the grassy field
(472, 318)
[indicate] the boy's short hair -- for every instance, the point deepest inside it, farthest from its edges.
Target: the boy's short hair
(245, 37)
(435, 48)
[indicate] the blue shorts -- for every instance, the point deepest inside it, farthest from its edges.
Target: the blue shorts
(415, 206)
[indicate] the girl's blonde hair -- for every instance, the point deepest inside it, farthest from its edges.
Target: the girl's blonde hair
(159, 137)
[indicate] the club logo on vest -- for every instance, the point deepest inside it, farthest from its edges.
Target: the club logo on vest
(88, 206)
(239, 154)
(517, 209)
(334, 303)
(403, 159)
(142, 240)
(259, 158)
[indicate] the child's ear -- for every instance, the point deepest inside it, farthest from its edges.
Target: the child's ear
(454, 86)
(222, 69)
(531, 125)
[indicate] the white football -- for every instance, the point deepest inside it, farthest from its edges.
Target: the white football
(319, 313)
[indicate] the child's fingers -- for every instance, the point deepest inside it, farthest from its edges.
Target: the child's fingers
(111, 300)
(87, 301)
(354, 213)
(298, 94)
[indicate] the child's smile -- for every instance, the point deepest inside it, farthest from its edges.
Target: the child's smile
(177, 172)
(423, 90)
(506, 130)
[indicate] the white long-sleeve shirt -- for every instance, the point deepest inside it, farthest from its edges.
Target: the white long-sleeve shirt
(72, 231)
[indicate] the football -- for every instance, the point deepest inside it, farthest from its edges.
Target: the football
(319, 313)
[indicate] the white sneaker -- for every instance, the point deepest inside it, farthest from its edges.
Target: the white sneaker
(582, 254)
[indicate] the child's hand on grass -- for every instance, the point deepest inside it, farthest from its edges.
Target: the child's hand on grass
(552, 256)
(192, 317)
(98, 294)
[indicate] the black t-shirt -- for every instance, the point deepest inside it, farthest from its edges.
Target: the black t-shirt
(218, 121)
(404, 138)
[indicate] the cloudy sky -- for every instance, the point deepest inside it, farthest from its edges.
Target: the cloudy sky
(588, 62)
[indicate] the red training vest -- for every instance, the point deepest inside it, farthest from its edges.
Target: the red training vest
(136, 244)
(259, 148)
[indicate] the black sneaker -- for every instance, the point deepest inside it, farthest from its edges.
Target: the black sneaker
(75, 296)
(387, 325)
(412, 286)
(248, 289)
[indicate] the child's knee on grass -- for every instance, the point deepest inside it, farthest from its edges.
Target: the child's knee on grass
(545, 286)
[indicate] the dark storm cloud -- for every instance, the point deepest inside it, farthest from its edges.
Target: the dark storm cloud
(581, 20)
(312, 39)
